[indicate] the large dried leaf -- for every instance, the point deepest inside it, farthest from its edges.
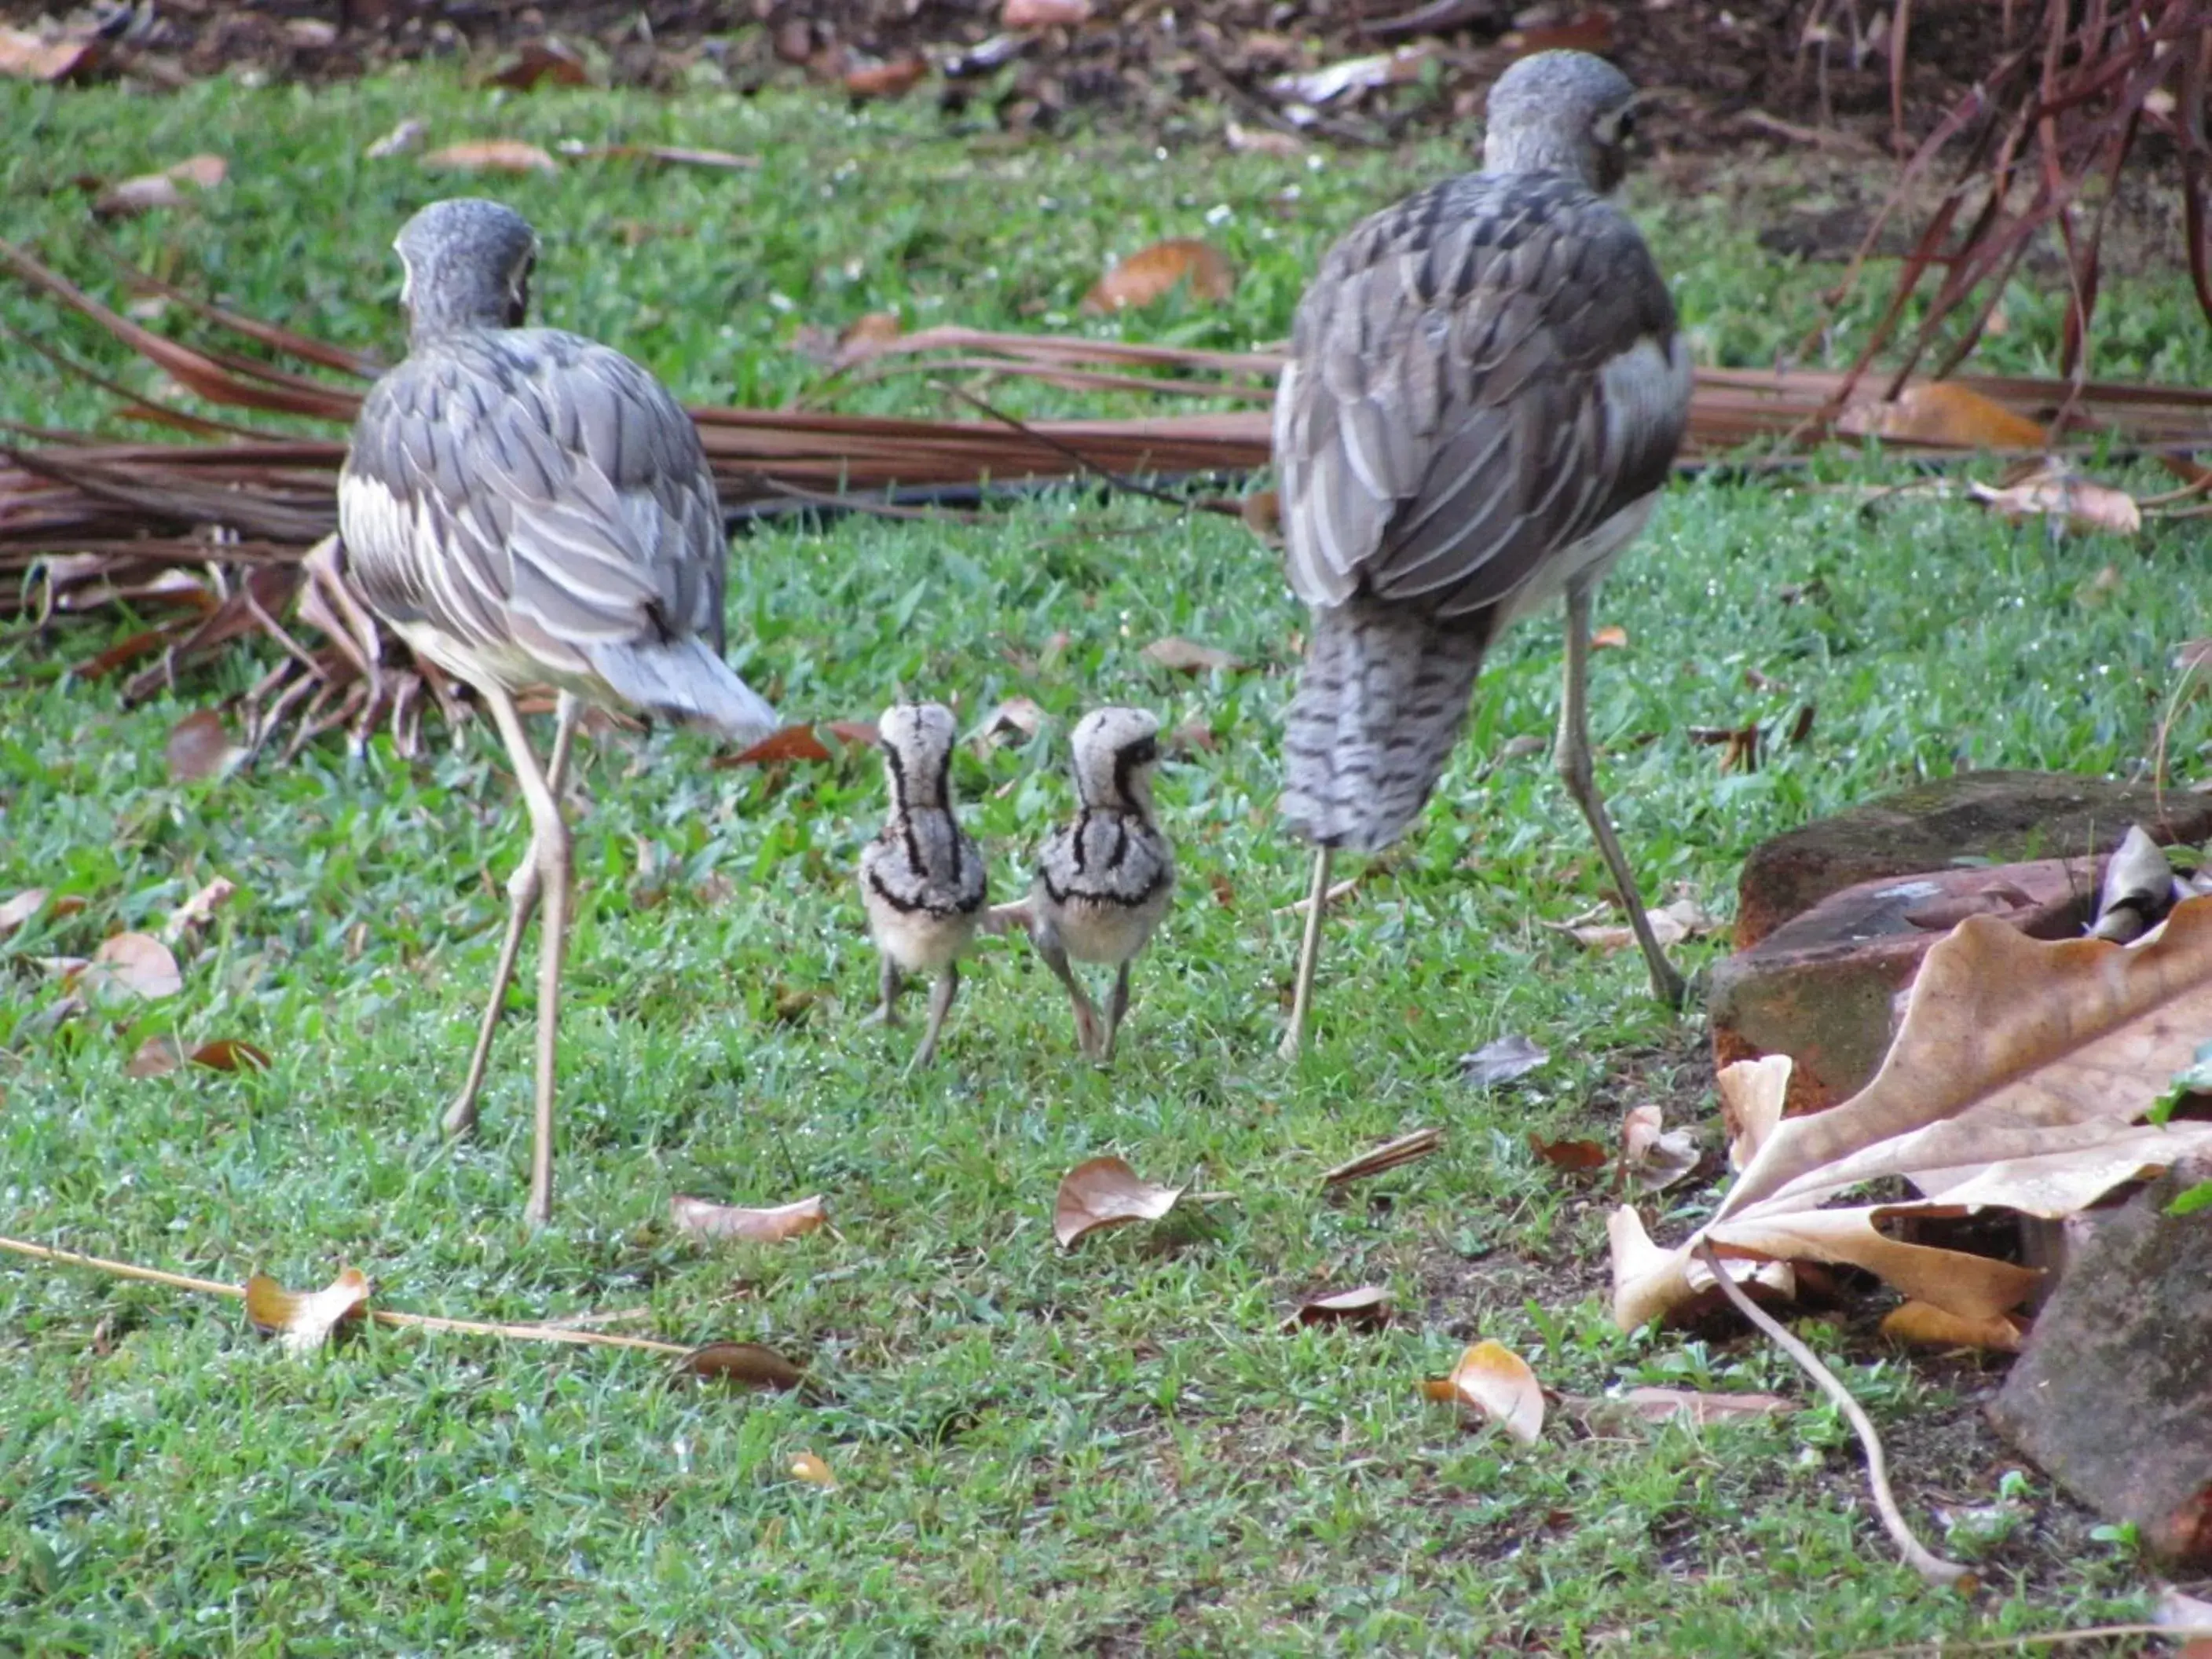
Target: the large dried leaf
(1496, 1384)
(195, 911)
(1501, 1060)
(702, 1219)
(1677, 1404)
(304, 1319)
(2016, 1081)
(492, 155)
(1404, 1149)
(1945, 413)
(2077, 503)
(1366, 1309)
(132, 964)
(1929, 1327)
(199, 747)
(164, 189)
(1652, 1156)
(1188, 657)
(1105, 1192)
(27, 56)
(746, 1364)
(1151, 274)
(1751, 1093)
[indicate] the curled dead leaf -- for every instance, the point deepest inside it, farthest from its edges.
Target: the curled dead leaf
(745, 1364)
(1575, 1156)
(2054, 493)
(702, 1219)
(813, 1471)
(199, 749)
(1496, 1384)
(1366, 1309)
(1501, 1060)
(132, 964)
(1188, 657)
(1324, 85)
(28, 57)
(157, 1056)
(539, 61)
(1751, 1093)
(1389, 1156)
(196, 910)
(164, 189)
(492, 155)
(1924, 1325)
(1151, 274)
(1105, 1192)
(304, 1320)
(887, 79)
(229, 1054)
(407, 135)
(1613, 637)
(19, 908)
(1673, 1404)
(792, 743)
(1652, 1156)
(1015, 717)
(1945, 413)
(1683, 918)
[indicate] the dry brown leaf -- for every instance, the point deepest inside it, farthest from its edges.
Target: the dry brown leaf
(132, 964)
(407, 135)
(1751, 1093)
(230, 1054)
(888, 79)
(2078, 503)
(1044, 14)
(1671, 925)
(1612, 638)
(1017, 717)
(1152, 273)
(199, 747)
(157, 1056)
(865, 337)
(1500, 1060)
(15, 911)
(1943, 412)
(1652, 1156)
(747, 1364)
(1323, 85)
(537, 61)
(1575, 1156)
(703, 1220)
(1105, 1192)
(1927, 1326)
(1261, 141)
(792, 743)
(1665, 1404)
(1188, 657)
(304, 1319)
(1366, 1309)
(1389, 1156)
(492, 155)
(1496, 1384)
(161, 190)
(813, 1471)
(25, 57)
(196, 910)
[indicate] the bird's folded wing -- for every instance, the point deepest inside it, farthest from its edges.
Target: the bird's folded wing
(1479, 376)
(534, 489)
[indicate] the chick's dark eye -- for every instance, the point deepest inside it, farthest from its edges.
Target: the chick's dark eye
(1625, 128)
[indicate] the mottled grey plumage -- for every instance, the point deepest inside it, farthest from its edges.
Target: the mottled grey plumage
(1485, 390)
(923, 879)
(525, 508)
(1104, 883)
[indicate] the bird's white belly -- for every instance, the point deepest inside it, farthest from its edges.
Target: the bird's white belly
(1094, 931)
(1587, 559)
(918, 942)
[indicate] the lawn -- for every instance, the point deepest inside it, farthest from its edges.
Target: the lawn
(1115, 1449)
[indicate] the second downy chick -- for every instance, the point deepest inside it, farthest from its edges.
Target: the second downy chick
(1104, 883)
(922, 879)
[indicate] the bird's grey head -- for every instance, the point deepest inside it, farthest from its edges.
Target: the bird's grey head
(1561, 112)
(917, 739)
(468, 264)
(1115, 750)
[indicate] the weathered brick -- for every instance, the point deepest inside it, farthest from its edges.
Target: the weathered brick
(1822, 988)
(1992, 816)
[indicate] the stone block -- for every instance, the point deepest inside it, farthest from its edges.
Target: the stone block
(1992, 816)
(1823, 987)
(2112, 1393)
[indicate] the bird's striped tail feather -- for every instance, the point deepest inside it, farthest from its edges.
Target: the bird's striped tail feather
(1380, 703)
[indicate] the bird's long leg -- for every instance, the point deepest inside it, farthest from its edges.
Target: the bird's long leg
(550, 852)
(1086, 1017)
(888, 984)
(940, 1004)
(1576, 768)
(1309, 957)
(1117, 1005)
(522, 900)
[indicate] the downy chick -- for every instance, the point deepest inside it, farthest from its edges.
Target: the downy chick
(1104, 883)
(922, 879)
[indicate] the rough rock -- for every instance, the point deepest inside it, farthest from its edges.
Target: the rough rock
(2113, 1396)
(1823, 987)
(1987, 817)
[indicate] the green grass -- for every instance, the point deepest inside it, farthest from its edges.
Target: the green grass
(1115, 1449)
